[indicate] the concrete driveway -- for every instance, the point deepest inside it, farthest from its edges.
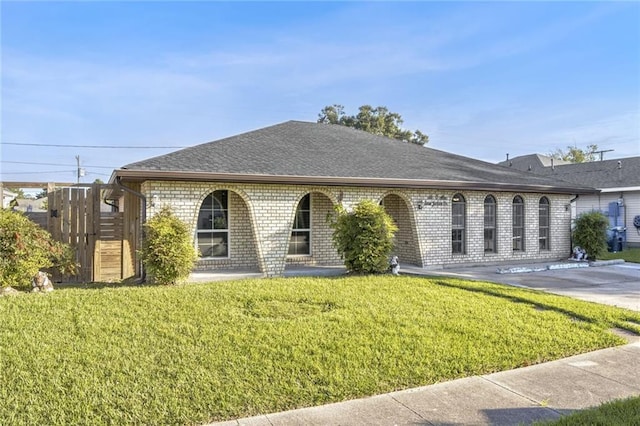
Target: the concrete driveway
(617, 285)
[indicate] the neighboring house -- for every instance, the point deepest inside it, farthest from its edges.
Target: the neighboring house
(260, 200)
(7, 197)
(28, 205)
(618, 181)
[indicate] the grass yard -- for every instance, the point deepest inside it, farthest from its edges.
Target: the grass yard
(629, 255)
(621, 412)
(198, 353)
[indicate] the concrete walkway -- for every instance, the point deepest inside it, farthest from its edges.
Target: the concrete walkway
(522, 396)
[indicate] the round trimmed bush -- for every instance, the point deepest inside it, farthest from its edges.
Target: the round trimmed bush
(364, 237)
(167, 251)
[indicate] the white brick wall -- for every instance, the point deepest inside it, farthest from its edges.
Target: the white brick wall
(261, 217)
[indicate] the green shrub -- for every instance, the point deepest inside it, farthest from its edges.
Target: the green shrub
(167, 251)
(26, 248)
(590, 233)
(364, 237)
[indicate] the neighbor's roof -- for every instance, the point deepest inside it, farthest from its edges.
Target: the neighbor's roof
(618, 173)
(324, 154)
(532, 162)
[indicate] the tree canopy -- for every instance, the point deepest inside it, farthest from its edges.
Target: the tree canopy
(574, 154)
(379, 121)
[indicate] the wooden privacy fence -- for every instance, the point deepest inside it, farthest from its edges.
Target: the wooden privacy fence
(104, 236)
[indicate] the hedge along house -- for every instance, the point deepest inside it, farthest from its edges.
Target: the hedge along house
(260, 200)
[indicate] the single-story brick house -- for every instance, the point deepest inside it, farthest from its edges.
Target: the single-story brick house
(618, 182)
(259, 200)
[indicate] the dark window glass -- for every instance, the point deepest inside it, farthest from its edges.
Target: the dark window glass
(518, 223)
(458, 224)
(489, 224)
(213, 225)
(544, 222)
(300, 242)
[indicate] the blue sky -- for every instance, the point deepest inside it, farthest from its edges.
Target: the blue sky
(482, 79)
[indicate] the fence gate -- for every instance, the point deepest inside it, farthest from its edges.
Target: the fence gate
(78, 216)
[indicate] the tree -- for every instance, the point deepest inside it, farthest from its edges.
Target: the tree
(574, 154)
(167, 251)
(590, 233)
(379, 121)
(18, 191)
(364, 237)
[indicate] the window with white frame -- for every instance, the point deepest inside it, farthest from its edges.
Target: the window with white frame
(458, 224)
(300, 242)
(544, 221)
(489, 224)
(213, 225)
(518, 223)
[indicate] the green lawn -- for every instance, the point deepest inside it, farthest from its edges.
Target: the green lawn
(624, 412)
(196, 353)
(629, 255)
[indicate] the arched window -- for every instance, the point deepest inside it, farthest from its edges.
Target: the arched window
(518, 223)
(544, 221)
(300, 242)
(458, 224)
(489, 224)
(213, 225)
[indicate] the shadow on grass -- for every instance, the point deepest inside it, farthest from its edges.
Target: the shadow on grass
(102, 285)
(625, 322)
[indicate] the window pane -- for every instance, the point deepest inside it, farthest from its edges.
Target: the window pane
(544, 239)
(305, 203)
(489, 241)
(213, 214)
(302, 220)
(457, 242)
(205, 220)
(300, 243)
(207, 203)
(489, 224)
(544, 220)
(220, 219)
(543, 223)
(220, 199)
(213, 244)
(518, 242)
(458, 224)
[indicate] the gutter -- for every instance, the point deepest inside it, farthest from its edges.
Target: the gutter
(144, 175)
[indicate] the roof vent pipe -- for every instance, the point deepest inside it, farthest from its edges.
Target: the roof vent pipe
(552, 166)
(619, 164)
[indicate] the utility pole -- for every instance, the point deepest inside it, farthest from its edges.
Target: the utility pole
(81, 171)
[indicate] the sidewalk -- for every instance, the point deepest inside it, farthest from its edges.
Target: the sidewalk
(521, 396)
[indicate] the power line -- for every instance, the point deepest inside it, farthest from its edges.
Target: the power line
(90, 146)
(37, 172)
(53, 164)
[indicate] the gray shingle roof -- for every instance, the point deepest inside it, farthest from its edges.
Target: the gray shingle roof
(304, 149)
(618, 173)
(532, 162)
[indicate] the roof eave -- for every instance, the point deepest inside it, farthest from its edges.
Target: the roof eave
(144, 175)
